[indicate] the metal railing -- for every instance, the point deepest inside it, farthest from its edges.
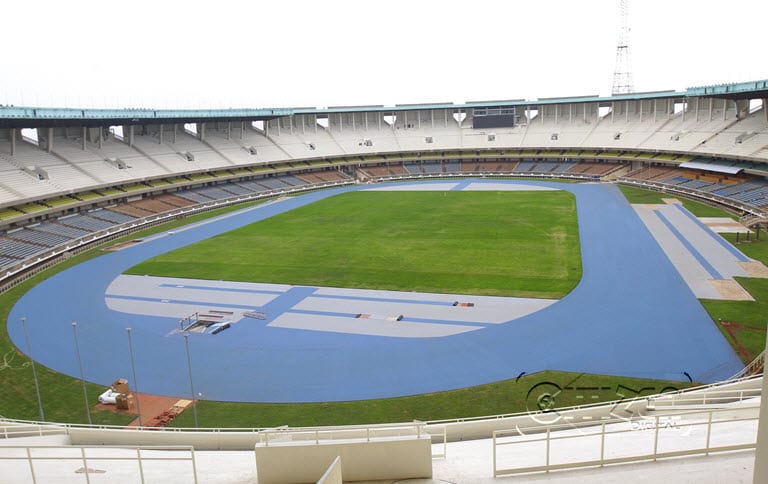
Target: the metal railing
(318, 435)
(559, 447)
(36, 457)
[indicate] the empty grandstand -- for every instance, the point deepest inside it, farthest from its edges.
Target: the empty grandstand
(71, 179)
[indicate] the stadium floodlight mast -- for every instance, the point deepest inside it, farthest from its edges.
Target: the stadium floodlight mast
(133, 370)
(191, 384)
(82, 375)
(34, 372)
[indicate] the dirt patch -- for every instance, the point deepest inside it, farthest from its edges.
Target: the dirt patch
(755, 269)
(672, 201)
(730, 290)
(122, 245)
(156, 410)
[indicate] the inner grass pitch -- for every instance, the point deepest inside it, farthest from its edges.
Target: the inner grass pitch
(498, 243)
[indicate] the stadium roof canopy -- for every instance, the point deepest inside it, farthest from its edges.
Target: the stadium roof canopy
(20, 117)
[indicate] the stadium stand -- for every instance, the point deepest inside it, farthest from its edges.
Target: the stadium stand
(78, 185)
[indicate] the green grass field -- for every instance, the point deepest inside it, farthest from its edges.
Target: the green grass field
(487, 243)
(747, 318)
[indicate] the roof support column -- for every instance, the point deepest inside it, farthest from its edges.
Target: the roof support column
(49, 141)
(626, 111)
(82, 137)
(229, 130)
(641, 110)
(697, 109)
(13, 141)
(175, 130)
(613, 110)
(761, 450)
(160, 137)
(130, 135)
(765, 108)
(710, 108)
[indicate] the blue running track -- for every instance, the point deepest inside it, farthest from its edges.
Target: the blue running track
(631, 315)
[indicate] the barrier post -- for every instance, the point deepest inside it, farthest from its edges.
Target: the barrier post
(31, 465)
(761, 449)
(141, 464)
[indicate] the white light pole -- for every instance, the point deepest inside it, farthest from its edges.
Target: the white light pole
(133, 370)
(191, 384)
(82, 376)
(34, 372)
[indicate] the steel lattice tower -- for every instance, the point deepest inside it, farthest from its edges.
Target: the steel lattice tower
(622, 75)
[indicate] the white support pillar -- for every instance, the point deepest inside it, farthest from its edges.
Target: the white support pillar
(626, 111)
(242, 129)
(711, 103)
(697, 109)
(655, 109)
(432, 118)
(49, 144)
(82, 137)
(570, 113)
(354, 125)
(229, 129)
(201, 131)
(160, 134)
(175, 131)
(365, 118)
(613, 110)
(641, 110)
(130, 135)
(761, 450)
(13, 141)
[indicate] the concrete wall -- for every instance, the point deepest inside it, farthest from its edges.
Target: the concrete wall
(406, 458)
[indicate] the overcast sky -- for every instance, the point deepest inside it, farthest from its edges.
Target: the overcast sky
(281, 53)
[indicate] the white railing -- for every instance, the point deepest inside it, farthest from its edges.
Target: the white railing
(755, 367)
(317, 435)
(35, 458)
(647, 438)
